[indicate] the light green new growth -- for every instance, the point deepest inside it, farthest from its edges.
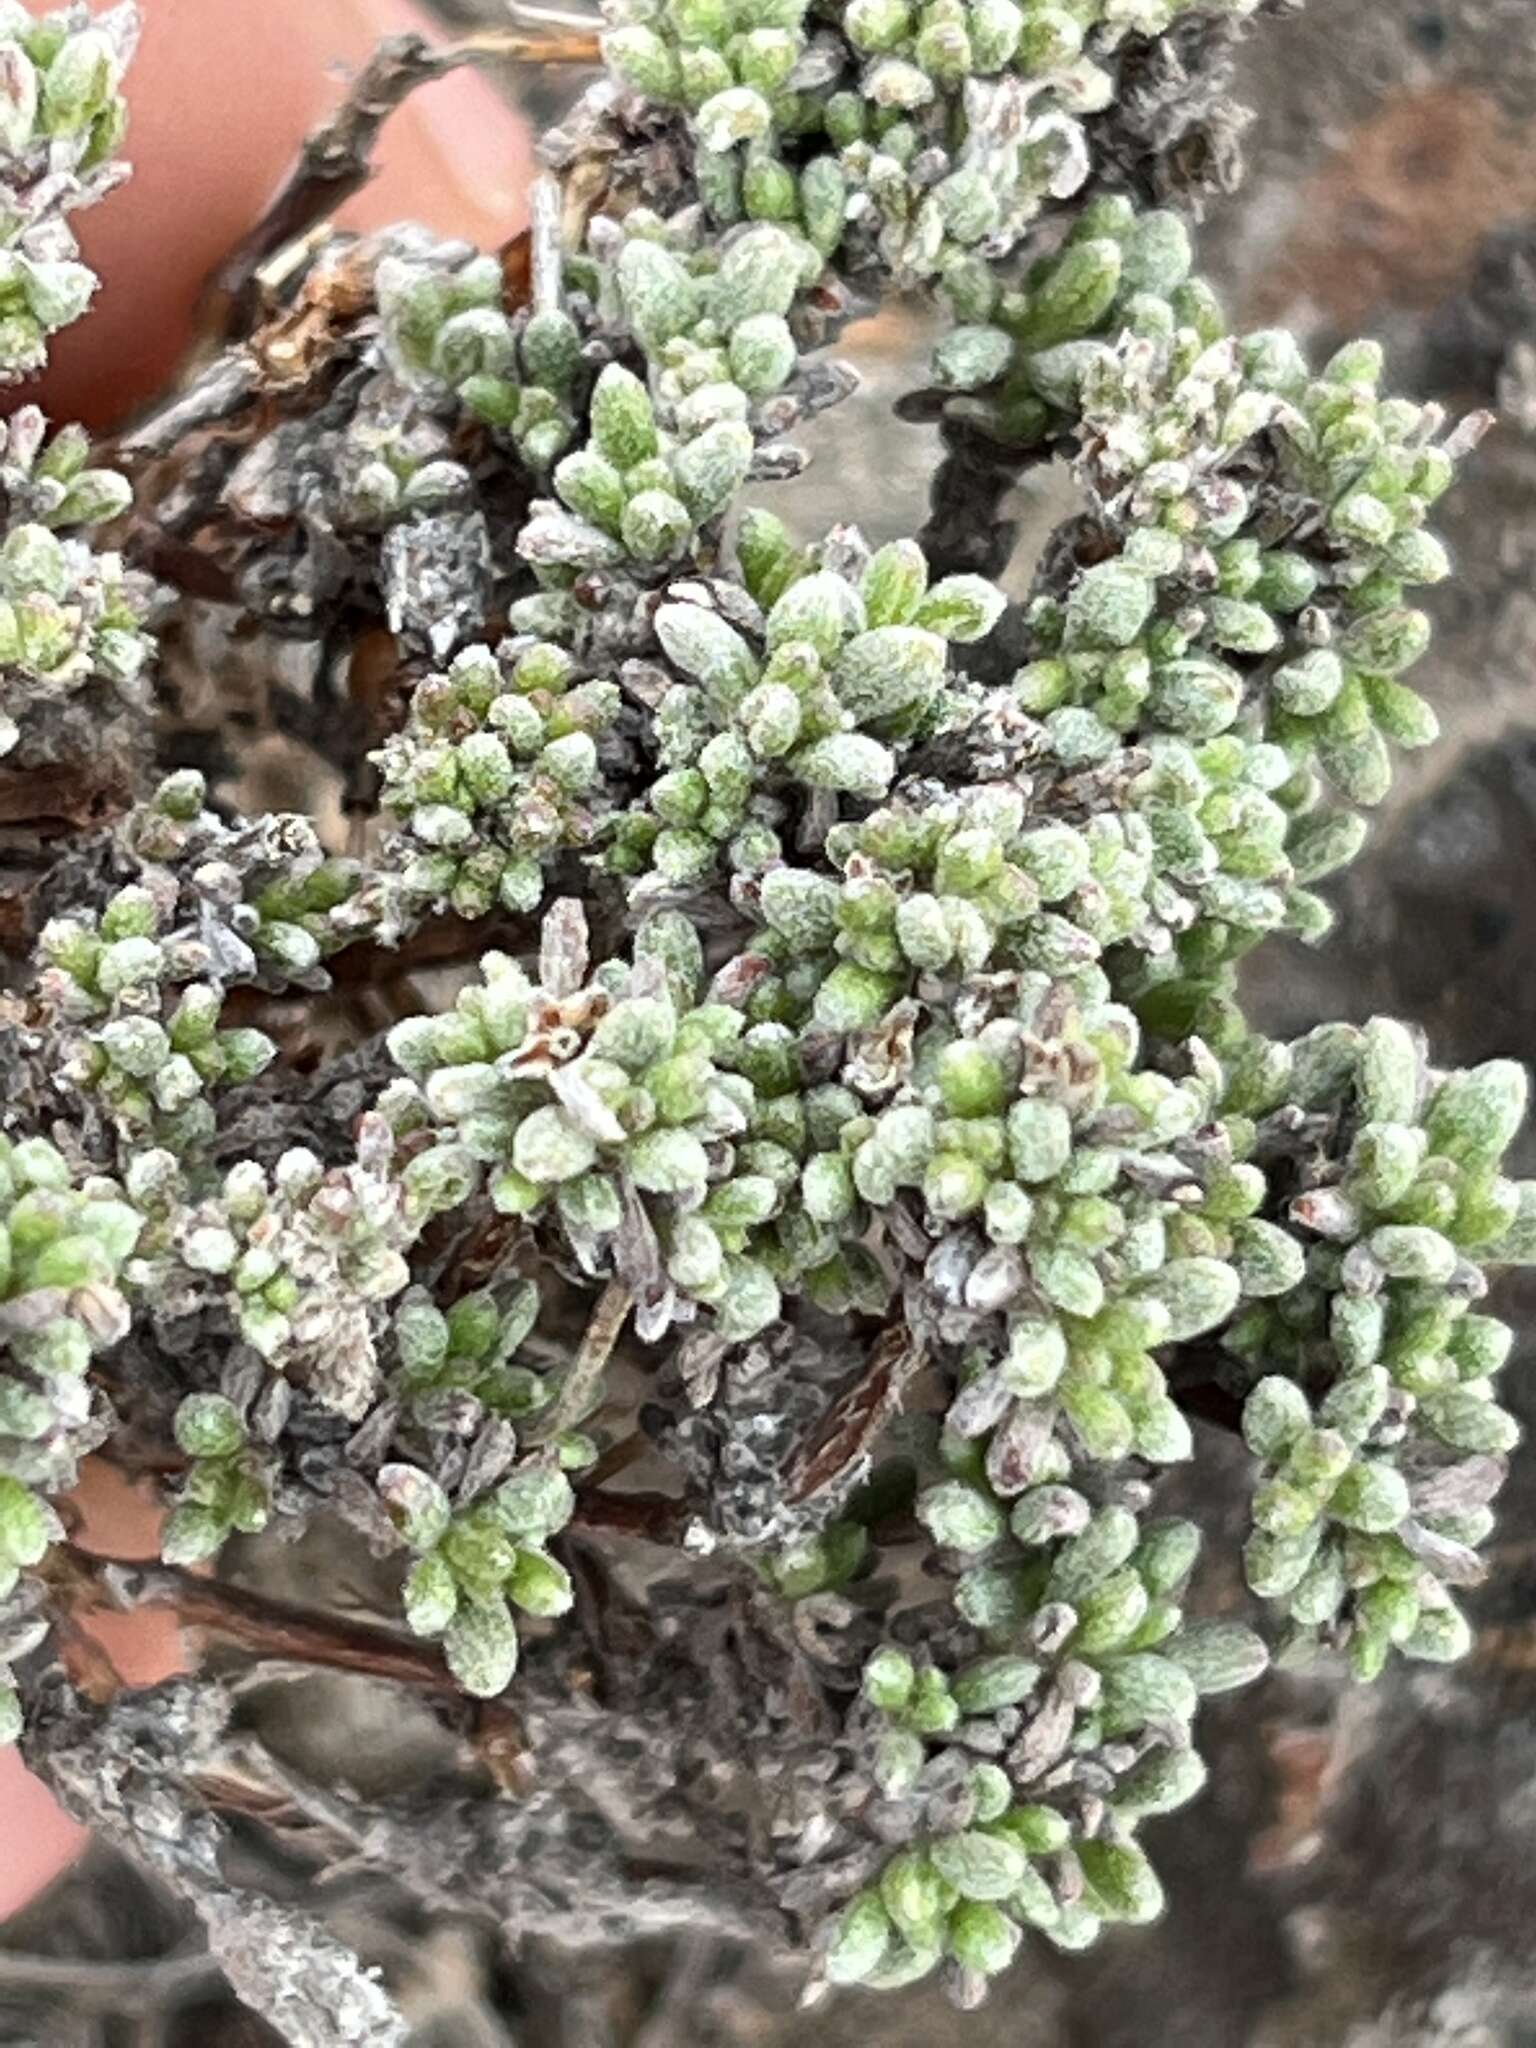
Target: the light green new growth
(69, 615)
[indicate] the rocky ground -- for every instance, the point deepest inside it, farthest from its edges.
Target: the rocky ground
(1361, 1873)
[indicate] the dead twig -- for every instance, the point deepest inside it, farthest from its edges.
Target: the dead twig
(122, 1989)
(592, 1354)
(619, 1457)
(336, 160)
(654, 1517)
(849, 1427)
(269, 1628)
(693, 1963)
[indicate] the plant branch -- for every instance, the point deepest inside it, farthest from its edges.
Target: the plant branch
(336, 160)
(254, 1621)
(654, 1517)
(118, 1988)
(585, 1376)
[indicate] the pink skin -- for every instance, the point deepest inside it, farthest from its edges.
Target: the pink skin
(38, 1840)
(221, 96)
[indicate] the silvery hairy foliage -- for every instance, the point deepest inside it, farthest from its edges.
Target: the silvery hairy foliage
(820, 1150)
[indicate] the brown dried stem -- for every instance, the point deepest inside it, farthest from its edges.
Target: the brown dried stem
(337, 157)
(121, 1989)
(282, 1630)
(653, 1517)
(268, 1628)
(585, 1376)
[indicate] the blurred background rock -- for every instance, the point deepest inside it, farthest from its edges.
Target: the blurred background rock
(1362, 1871)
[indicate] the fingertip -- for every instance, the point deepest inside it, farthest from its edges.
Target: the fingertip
(220, 100)
(41, 1840)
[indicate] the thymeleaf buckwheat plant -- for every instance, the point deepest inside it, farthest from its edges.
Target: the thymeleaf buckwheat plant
(788, 1110)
